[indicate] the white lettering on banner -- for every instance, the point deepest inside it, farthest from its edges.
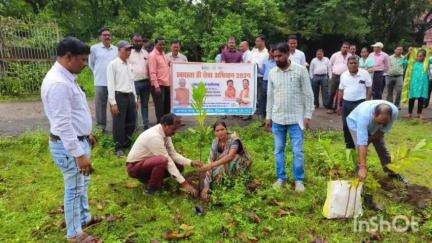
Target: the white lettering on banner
(231, 88)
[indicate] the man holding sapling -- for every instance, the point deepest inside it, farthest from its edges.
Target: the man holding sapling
(368, 123)
(153, 157)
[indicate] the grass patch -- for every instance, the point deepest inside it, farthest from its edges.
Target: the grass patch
(31, 190)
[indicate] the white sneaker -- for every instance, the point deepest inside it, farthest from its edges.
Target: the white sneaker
(279, 184)
(299, 186)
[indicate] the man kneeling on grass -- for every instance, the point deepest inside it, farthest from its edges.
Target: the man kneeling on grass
(153, 157)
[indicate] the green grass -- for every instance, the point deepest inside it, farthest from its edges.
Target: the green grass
(31, 187)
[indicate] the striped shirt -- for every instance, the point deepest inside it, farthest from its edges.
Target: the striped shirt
(289, 95)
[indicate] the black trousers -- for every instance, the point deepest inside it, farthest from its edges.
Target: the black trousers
(124, 124)
(420, 105)
(347, 108)
(378, 85)
(427, 101)
(162, 101)
(261, 97)
(320, 82)
(332, 92)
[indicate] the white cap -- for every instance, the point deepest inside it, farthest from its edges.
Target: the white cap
(378, 44)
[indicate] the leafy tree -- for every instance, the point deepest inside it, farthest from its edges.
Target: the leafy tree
(398, 21)
(204, 25)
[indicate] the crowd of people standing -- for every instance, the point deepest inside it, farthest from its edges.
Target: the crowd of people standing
(127, 74)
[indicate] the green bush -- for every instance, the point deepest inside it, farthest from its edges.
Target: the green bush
(23, 78)
(85, 80)
(26, 79)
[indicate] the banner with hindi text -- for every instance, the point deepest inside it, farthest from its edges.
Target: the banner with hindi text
(231, 87)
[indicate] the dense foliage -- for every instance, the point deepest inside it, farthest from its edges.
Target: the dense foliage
(203, 25)
(245, 209)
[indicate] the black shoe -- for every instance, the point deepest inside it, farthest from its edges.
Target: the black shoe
(369, 203)
(150, 191)
(246, 118)
(400, 178)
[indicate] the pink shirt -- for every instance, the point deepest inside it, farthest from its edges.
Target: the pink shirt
(381, 61)
(159, 69)
(338, 62)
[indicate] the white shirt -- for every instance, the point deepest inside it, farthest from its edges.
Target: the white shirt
(298, 57)
(179, 58)
(120, 78)
(154, 142)
(66, 107)
(320, 67)
(339, 62)
(354, 86)
(247, 56)
(259, 57)
(138, 63)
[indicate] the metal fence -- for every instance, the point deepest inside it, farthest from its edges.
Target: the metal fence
(27, 50)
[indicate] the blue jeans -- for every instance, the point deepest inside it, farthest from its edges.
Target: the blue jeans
(76, 206)
(296, 135)
(143, 89)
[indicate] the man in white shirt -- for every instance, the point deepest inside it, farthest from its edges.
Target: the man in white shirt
(69, 116)
(175, 55)
(320, 72)
(247, 55)
(355, 86)
(153, 157)
(101, 54)
(138, 62)
(259, 55)
(338, 62)
(122, 98)
(296, 55)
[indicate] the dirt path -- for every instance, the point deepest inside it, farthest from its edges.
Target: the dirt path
(19, 117)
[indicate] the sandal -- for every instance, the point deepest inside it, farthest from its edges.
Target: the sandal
(85, 238)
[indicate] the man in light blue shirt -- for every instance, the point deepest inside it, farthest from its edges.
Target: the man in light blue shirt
(264, 70)
(101, 55)
(367, 124)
